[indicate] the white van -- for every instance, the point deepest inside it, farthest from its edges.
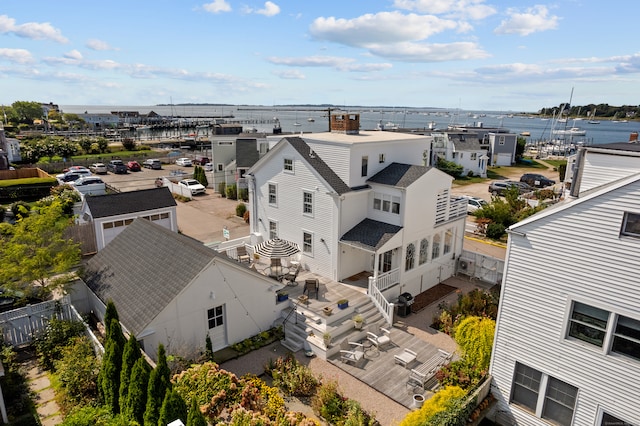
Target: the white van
(152, 163)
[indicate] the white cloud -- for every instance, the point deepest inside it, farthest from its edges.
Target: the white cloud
(534, 19)
(31, 30)
(464, 9)
(269, 9)
(20, 56)
(74, 54)
(290, 75)
(335, 62)
(379, 28)
(430, 52)
(217, 6)
(95, 44)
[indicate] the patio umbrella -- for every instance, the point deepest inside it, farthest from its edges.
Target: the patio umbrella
(275, 248)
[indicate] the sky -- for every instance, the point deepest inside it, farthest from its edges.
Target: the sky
(484, 55)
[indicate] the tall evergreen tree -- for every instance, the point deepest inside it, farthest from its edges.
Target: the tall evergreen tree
(110, 313)
(173, 408)
(195, 417)
(159, 383)
(136, 401)
(130, 355)
(111, 367)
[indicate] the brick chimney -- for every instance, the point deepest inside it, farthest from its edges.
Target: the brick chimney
(345, 123)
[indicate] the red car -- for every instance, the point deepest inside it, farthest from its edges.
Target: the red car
(134, 166)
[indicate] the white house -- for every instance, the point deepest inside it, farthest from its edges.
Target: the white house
(359, 201)
(171, 289)
(567, 342)
(110, 214)
(461, 148)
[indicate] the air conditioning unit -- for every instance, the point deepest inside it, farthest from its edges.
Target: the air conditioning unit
(465, 265)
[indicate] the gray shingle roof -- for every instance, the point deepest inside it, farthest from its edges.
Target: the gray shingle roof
(143, 269)
(130, 202)
(370, 234)
(618, 146)
(334, 181)
(399, 175)
(246, 152)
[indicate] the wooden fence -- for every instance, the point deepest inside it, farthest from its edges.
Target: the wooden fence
(85, 235)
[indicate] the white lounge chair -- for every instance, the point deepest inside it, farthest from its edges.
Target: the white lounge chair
(351, 352)
(379, 336)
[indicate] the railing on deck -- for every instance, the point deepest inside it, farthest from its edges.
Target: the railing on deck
(387, 279)
(378, 299)
(458, 208)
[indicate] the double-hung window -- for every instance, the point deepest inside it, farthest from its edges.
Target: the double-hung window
(588, 323)
(544, 396)
(307, 203)
(307, 242)
(288, 165)
(273, 194)
(273, 229)
(365, 166)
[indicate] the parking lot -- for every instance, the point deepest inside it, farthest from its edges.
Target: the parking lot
(202, 218)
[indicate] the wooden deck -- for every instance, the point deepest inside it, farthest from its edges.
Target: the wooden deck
(380, 371)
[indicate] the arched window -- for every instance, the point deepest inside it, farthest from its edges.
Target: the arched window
(424, 251)
(435, 250)
(410, 257)
(448, 239)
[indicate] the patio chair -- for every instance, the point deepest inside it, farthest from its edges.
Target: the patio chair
(351, 352)
(379, 336)
(242, 255)
(311, 285)
(405, 358)
(290, 277)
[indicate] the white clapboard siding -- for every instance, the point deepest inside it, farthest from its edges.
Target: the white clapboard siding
(572, 252)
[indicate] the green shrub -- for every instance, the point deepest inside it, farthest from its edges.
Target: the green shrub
(232, 192)
(241, 208)
(77, 373)
(291, 377)
(20, 209)
(480, 303)
(49, 345)
(475, 336)
(460, 373)
(243, 194)
(441, 401)
(495, 231)
(222, 189)
(129, 144)
(339, 410)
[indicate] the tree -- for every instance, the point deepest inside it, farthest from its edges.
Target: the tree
(173, 408)
(137, 395)
(450, 168)
(37, 250)
(110, 313)
(130, 355)
(159, 383)
(26, 112)
(195, 416)
(475, 337)
(112, 366)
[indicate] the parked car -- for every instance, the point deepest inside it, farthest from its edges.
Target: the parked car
(499, 187)
(474, 203)
(200, 161)
(74, 168)
(134, 166)
(193, 185)
(98, 168)
(208, 167)
(536, 180)
(152, 163)
(90, 185)
(185, 162)
(116, 166)
(72, 175)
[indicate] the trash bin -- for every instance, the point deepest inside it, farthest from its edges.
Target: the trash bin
(405, 300)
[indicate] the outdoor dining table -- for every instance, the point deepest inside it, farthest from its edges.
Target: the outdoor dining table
(276, 272)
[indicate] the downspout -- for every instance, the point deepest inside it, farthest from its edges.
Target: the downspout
(254, 204)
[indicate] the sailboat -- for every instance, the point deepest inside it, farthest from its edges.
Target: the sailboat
(296, 122)
(593, 118)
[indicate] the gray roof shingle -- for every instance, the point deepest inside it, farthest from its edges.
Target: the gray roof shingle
(130, 202)
(143, 269)
(332, 179)
(370, 234)
(399, 175)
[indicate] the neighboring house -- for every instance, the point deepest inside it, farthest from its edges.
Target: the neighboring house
(110, 214)
(10, 147)
(502, 148)
(171, 289)
(461, 148)
(100, 121)
(232, 157)
(567, 342)
(359, 201)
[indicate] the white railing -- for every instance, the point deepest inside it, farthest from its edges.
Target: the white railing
(387, 279)
(20, 326)
(378, 299)
(457, 208)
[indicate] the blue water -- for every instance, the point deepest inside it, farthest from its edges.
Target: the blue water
(603, 133)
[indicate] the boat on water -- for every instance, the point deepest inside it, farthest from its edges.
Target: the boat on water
(297, 124)
(311, 119)
(525, 133)
(573, 131)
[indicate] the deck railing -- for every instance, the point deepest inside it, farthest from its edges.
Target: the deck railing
(384, 306)
(387, 279)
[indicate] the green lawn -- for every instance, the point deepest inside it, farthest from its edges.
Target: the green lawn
(501, 172)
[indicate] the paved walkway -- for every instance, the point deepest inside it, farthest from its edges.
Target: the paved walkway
(45, 403)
